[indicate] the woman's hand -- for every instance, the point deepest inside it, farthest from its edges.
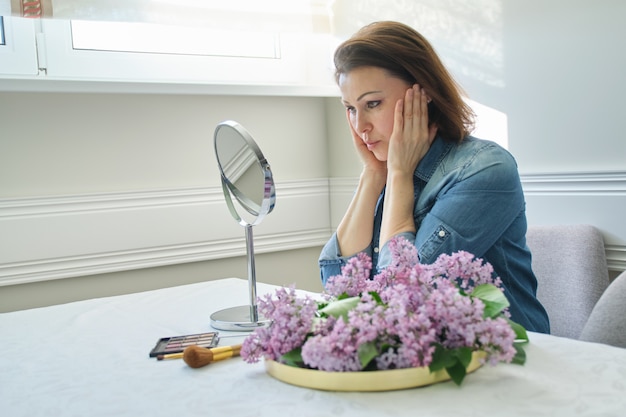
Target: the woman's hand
(370, 163)
(410, 140)
(411, 136)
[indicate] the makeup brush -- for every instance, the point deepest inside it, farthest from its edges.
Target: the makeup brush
(198, 356)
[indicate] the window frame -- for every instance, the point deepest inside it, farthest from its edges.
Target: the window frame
(18, 54)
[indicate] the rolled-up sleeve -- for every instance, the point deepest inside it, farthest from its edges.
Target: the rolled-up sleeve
(331, 261)
(384, 257)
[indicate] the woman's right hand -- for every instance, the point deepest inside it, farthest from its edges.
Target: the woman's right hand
(370, 163)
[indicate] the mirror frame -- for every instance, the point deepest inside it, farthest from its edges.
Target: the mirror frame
(231, 191)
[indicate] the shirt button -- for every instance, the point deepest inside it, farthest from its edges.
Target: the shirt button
(442, 233)
(376, 250)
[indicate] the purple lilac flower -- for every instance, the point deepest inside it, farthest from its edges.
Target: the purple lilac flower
(455, 315)
(495, 337)
(336, 351)
(403, 256)
(417, 307)
(465, 269)
(353, 278)
(291, 321)
(413, 328)
(335, 347)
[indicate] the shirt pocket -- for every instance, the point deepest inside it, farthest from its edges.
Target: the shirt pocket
(433, 244)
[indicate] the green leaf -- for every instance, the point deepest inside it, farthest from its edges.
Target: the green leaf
(457, 372)
(321, 305)
(520, 331)
(494, 299)
(520, 354)
(376, 297)
(442, 358)
(367, 352)
(340, 308)
(293, 358)
(454, 361)
(464, 355)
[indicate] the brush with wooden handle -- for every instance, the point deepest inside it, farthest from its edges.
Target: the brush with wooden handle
(198, 356)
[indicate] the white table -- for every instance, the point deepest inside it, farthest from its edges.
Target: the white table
(90, 358)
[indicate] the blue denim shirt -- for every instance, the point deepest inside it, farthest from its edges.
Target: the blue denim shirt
(468, 196)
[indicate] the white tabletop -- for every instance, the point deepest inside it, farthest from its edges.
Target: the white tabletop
(90, 358)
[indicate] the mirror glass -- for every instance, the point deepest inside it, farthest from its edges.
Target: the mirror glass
(250, 195)
(244, 170)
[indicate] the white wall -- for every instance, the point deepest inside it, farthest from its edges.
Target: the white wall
(554, 68)
(93, 143)
(92, 184)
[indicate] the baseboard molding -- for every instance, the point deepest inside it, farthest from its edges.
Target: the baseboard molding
(68, 236)
(596, 198)
(616, 257)
(578, 183)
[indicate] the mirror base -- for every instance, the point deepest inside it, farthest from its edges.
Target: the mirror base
(236, 319)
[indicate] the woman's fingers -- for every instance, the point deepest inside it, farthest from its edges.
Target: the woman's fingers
(409, 105)
(415, 112)
(411, 133)
(398, 118)
(423, 99)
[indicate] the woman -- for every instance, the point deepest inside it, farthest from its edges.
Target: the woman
(424, 177)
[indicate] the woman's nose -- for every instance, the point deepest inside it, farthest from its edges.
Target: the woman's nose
(361, 123)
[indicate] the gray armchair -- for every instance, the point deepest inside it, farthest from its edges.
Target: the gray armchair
(570, 264)
(607, 322)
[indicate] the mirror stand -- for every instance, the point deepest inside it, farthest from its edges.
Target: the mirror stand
(242, 318)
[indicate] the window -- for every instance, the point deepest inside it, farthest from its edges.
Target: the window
(206, 46)
(150, 52)
(168, 39)
(2, 42)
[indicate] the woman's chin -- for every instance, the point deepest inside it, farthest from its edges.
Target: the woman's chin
(382, 157)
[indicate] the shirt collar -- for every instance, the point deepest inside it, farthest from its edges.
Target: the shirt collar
(429, 163)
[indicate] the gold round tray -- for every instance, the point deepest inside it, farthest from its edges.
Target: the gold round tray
(389, 380)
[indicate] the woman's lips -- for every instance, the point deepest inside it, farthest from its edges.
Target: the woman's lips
(371, 145)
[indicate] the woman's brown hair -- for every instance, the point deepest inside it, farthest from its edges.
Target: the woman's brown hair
(406, 54)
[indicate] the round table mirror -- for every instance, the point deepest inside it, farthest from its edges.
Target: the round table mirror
(250, 195)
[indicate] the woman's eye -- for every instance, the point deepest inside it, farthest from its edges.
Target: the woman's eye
(373, 104)
(350, 109)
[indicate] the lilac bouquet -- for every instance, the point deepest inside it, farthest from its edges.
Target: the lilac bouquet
(409, 315)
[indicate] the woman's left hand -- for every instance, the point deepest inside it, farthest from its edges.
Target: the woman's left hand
(411, 136)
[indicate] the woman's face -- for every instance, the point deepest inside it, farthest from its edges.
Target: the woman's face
(370, 95)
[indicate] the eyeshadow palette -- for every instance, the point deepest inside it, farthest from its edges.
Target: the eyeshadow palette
(177, 344)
